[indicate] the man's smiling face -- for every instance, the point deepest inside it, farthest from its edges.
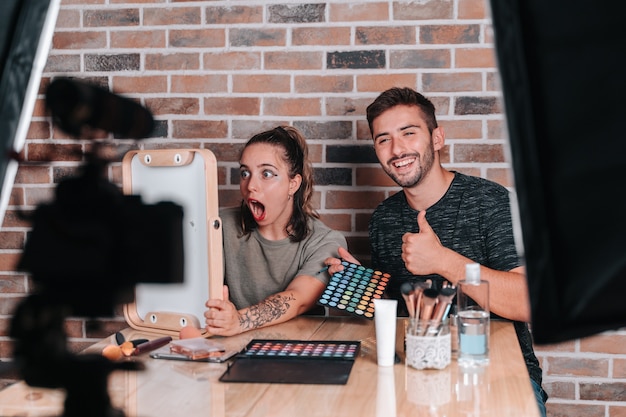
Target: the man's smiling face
(403, 144)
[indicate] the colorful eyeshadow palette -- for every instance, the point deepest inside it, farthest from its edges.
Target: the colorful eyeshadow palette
(311, 349)
(354, 289)
(294, 362)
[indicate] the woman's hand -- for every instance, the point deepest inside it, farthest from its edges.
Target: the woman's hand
(222, 317)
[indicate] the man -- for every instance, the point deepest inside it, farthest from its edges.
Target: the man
(442, 220)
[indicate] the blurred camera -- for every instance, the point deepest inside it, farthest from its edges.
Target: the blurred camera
(89, 248)
(92, 245)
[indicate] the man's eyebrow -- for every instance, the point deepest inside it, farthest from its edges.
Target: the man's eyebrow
(401, 129)
(380, 134)
(409, 127)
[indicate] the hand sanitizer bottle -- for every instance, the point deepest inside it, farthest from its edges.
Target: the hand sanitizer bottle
(473, 318)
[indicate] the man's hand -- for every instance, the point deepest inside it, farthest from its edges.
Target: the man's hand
(334, 264)
(421, 251)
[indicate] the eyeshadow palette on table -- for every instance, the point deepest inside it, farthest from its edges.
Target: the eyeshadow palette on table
(294, 362)
(354, 289)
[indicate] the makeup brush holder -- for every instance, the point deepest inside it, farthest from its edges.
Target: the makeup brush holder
(428, 344)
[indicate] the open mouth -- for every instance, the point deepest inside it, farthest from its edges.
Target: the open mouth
(404, 162)
(257, 209)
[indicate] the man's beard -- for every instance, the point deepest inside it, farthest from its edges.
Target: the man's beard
(423, 167)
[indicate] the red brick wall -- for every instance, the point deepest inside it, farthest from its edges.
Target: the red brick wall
(216, 72)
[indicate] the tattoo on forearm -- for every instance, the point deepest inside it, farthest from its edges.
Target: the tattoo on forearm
(267, 311)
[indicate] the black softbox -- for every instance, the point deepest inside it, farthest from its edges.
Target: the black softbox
(26, 29)
(564, 85)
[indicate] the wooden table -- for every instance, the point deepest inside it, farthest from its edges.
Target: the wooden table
(175, 388)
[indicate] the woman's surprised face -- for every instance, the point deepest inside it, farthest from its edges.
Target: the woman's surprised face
(265, 184)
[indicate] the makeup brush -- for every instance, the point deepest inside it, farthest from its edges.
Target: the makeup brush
(443, 302)
(406, 289)
(418, 290)
(441, 309)
(429, 300)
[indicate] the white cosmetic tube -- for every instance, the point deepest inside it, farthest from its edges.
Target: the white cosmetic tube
(385, 322)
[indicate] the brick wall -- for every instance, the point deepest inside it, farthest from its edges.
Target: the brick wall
(216, 72)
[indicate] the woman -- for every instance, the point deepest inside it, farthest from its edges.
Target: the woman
(274, 244)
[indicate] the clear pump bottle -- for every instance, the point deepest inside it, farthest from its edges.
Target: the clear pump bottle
(473, 318)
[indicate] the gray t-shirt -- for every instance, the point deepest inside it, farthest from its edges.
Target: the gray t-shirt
(255, 267)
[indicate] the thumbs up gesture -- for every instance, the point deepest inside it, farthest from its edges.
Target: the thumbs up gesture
(422, 251)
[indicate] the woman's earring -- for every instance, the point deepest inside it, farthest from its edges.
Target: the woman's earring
(288, 196)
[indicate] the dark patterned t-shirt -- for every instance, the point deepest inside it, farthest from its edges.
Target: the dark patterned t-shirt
(473, 218)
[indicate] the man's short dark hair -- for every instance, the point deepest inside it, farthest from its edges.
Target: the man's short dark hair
(402, 96)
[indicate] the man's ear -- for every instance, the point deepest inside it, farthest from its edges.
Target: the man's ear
(439, 138)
